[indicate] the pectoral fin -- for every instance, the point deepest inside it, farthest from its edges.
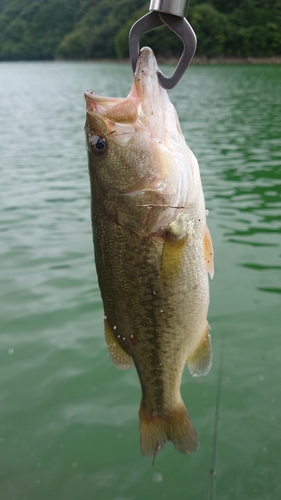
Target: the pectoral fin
(172, 256)
(208, 252)
(118, 356)
(199, 363)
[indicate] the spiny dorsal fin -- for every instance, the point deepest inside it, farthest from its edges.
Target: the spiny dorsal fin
(208, 252)
(199, 363)
(118, 356)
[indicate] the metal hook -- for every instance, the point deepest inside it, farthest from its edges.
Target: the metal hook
(180, 26)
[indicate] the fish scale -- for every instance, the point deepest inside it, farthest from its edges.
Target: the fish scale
(153, 250)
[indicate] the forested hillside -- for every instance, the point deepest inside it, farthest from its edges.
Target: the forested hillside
(92, 29)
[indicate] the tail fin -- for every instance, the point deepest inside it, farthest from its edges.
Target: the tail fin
(157, 429)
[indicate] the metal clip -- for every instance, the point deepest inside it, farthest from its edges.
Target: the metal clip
(175, 7)
(173, 17)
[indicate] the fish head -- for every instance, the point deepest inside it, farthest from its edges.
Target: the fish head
(116, 143)
(135, 144)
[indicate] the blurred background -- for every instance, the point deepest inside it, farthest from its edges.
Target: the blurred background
(68, 418)
(95, 29)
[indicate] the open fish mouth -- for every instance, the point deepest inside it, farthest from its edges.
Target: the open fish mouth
(100, 104)
(147, 104)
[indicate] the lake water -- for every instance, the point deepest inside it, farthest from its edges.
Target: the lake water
(68, 418)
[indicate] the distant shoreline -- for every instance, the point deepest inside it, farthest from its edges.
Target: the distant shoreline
(236, 60)
(197, 60)
(205, 60)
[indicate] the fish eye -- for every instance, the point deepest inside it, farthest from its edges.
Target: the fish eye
(98, 145)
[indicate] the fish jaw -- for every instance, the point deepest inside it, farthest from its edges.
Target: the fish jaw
(156, 112)
(155, 109)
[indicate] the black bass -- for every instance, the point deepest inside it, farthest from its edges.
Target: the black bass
(153, 250)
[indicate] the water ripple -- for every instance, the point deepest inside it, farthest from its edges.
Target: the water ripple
(63, 404)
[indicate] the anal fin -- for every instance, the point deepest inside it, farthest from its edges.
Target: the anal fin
(199, 363)
(118, 356)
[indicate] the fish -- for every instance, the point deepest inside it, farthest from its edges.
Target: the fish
(153, 250)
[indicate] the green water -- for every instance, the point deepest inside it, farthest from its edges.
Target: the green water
(68, 418)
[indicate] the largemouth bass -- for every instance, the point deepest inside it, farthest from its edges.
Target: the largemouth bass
(153, 250)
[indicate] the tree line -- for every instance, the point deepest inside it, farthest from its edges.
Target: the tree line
(95, 29)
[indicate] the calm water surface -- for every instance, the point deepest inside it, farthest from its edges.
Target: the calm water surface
(68, 418)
